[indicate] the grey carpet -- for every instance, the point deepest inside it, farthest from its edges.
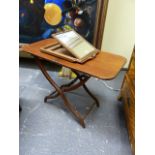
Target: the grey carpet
(49, 129)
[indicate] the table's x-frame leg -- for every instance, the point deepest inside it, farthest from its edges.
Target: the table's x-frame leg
(59, 91)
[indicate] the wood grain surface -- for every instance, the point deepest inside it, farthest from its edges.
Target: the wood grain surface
(104, 66)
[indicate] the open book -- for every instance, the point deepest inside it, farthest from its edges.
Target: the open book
(71, 46)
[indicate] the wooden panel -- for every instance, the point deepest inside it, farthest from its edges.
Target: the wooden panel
(129, 109)
(102, 6)
(128, 96)
(131, 70)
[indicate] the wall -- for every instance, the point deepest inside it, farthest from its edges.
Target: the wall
(119, 32)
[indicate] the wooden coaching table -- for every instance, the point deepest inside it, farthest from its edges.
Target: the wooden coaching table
(104, 66)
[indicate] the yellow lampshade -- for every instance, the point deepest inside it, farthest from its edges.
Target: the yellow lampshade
(53, 14)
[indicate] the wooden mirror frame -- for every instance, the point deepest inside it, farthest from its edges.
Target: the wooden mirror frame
(101, 13)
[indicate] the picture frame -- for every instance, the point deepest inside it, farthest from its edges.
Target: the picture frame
(102, 6)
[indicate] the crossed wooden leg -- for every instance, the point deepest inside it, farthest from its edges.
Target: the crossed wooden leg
(59, 91)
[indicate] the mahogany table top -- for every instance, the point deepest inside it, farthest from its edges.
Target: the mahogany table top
(105, 65)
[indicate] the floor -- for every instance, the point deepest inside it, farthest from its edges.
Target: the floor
(49, 129)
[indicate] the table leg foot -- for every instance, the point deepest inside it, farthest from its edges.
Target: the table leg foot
(45, 99)
(120, 97)
(82, 123)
